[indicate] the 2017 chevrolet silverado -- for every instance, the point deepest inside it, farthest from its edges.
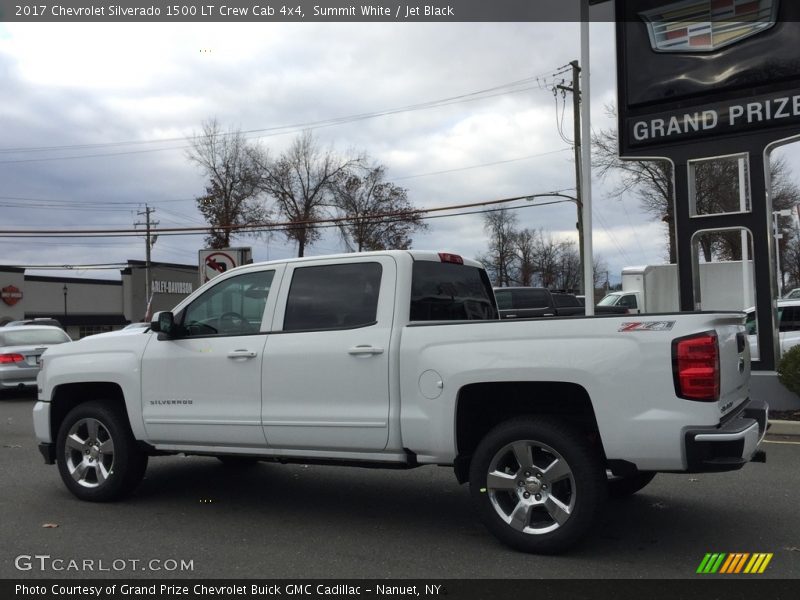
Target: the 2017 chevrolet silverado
(398, 359)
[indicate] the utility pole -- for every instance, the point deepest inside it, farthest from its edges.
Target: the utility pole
(574, 89)
(149, 241)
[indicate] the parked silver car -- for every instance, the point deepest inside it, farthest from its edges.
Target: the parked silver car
(21, 350)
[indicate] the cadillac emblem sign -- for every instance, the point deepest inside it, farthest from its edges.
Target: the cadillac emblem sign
(707, 25)
(11, 295)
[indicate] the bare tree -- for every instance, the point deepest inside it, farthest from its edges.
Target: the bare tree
(569, 272)
(365, 199)
(301, 183)
(650, 180)
(790, 262)
(525, 247)
(547, 258)
(230, 200)
(500, 260)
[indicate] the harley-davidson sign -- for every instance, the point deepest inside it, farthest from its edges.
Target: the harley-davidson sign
(11, 295)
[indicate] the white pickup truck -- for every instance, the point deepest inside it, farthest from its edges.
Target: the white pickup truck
(398, 359)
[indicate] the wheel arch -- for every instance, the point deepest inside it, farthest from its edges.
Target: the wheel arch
(69, 395)
(482, 406)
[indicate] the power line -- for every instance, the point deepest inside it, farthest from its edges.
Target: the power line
(348, 118)
(258, 227)
(491, 164)
(102, 205)
(112, 266)
(264, 132)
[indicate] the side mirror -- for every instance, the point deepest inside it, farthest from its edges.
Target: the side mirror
(163, 322)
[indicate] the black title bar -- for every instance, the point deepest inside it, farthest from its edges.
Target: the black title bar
(699, 587)
(248, 11)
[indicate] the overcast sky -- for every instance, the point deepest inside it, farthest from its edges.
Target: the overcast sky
(78, 84)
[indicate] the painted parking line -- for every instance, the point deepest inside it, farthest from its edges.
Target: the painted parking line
(781, 442)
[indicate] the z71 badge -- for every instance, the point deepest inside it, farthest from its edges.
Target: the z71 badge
(647, 326)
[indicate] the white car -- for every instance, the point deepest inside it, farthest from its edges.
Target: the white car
(788, 326)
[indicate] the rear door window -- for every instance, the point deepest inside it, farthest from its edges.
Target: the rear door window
(565, 300)
(333, 297)
(531, 298)
(789, 318)
(503, 299)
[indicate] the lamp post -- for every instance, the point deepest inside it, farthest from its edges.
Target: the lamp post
(778, 237)
(66, 290)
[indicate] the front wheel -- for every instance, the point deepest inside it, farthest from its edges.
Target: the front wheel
(97, 455)
(537, 484)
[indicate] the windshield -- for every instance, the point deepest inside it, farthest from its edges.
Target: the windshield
(26, 337)
(609, 301)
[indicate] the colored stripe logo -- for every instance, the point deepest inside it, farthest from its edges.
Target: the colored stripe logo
(734, 563)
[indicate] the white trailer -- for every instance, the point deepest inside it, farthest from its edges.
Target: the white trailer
(654, 288)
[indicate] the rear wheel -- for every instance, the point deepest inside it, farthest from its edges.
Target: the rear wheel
(537, 484)
(97, 455)
(622, 487)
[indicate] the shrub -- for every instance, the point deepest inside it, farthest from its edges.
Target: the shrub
(789, 369)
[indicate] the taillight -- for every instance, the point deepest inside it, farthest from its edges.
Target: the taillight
(451, 258)
(695, 367)
(10, 358)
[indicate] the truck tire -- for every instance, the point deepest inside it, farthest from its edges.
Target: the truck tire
(97, 455)
(622, 487)
(537, 484)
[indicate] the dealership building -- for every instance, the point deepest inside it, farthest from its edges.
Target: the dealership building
(87, 306)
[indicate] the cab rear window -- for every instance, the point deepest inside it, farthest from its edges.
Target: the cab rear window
(443, 291)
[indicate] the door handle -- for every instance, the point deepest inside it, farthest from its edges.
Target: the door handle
(360, 350)
(242, 354)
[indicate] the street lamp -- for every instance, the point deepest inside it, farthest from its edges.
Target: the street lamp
(65, 298)
(779, 236)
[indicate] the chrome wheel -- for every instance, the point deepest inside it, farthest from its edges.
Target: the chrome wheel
(98, 457)
(531, 487)
(89, 452)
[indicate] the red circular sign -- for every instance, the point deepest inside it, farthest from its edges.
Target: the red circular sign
(11, 295)
(217, 263)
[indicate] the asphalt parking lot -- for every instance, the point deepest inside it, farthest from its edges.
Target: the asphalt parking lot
(287, 521)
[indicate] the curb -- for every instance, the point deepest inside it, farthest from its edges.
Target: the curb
(784, 428)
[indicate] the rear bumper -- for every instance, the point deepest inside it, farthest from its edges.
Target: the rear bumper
(18, 378)
(731, 444)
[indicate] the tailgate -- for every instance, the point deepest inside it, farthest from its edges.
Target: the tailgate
(734, 362)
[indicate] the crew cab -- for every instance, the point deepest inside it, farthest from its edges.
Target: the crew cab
(398, 359)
